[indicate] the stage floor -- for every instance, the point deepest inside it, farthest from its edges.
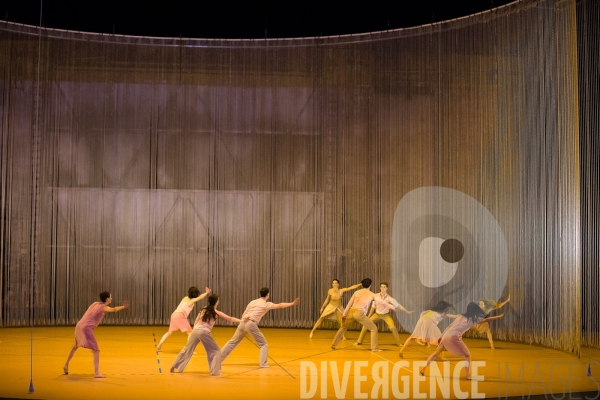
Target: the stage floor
(299, 367)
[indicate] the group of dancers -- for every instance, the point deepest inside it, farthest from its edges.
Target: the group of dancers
(364, 307)
(426, 330)
(200, 333)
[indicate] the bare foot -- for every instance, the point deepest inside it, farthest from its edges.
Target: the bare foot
(310, 336)
(422, 372)
(158, 348)
(172, 370)
(99, 376)
(65, 370)
(344, 338)
(376, 350)
(493, 348)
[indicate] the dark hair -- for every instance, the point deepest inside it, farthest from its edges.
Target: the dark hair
(209, 310)
(264, 292)
(366, 282)
(384, 283)
(442, 307)
(104, 296)
(193, 292)
(474, 312)
(335, 280)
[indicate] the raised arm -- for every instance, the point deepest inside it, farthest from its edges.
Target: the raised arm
(286, 305)
(118, 308)
(488, 319)
(346, 289)
(227, 317)
(203, 295)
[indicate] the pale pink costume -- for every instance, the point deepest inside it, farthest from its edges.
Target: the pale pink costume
(427, 327)
(179, 318)
(452, 336)
(84, 330)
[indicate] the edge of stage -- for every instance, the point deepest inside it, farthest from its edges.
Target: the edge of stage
(299, 366)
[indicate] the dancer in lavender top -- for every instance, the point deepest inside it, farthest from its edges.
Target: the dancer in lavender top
(84, 331)
(202, 333)
(179, 318)
(452, 336)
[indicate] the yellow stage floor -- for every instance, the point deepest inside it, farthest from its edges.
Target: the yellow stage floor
(299, 367)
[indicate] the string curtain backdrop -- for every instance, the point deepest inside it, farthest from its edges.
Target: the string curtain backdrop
(143, 166)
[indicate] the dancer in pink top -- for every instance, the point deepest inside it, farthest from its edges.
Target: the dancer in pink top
(179, 318)
(202, 333)
(84, 331)
(452, 337)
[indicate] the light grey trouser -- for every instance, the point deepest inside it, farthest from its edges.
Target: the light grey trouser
(213, 353)
(357, 315)
(250, 328)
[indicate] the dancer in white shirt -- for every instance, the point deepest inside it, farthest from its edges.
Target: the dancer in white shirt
(378, 311)
(249, 325)
(356, 310)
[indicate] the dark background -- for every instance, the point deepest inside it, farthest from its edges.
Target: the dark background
(237, 19)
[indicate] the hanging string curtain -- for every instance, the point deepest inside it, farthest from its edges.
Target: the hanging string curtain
(238, 164)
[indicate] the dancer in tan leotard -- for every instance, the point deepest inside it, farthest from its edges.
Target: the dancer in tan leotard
(332, 307)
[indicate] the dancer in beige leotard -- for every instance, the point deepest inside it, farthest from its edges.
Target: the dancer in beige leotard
(332, 307)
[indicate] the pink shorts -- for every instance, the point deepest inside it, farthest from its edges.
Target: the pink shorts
(179, 322)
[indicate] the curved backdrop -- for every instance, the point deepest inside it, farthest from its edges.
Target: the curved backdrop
(143, 166)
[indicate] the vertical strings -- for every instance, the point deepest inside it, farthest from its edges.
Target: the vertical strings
(167, 163)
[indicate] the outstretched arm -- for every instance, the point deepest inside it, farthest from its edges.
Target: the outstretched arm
(203, 295)
(451, 315)
(401, 307)
(499, 305)
(286, 305)
(350, 288)
(227, 317)
(488, 319)
(118, 308)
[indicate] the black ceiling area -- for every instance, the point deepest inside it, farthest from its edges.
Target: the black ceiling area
(239, 19)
